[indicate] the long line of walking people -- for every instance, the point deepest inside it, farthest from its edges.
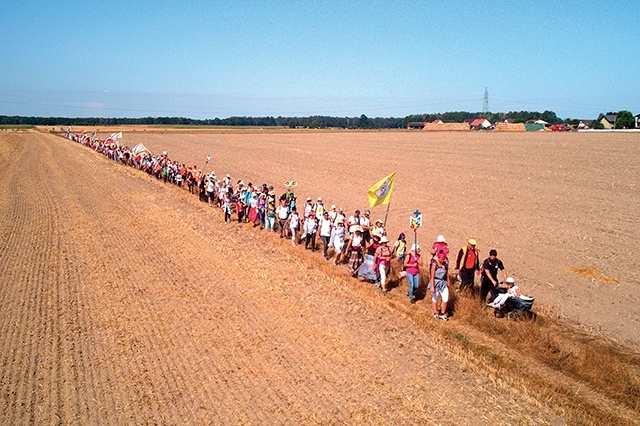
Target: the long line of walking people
(356, 240)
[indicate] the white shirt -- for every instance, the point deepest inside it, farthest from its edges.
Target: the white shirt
(325, 227)
(353, 222)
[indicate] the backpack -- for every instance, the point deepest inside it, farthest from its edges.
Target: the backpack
(441, 249)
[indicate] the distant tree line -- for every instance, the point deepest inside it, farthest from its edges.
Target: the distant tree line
(460, 116)
(314, 122)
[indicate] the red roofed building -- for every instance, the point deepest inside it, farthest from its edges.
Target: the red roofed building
(480, 122)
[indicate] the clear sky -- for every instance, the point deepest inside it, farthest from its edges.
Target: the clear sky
(206, 59)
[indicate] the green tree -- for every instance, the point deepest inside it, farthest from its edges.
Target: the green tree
(363, 122)
(624, 120)
(550, 117)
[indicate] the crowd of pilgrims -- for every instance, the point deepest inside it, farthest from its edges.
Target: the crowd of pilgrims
(356, 240)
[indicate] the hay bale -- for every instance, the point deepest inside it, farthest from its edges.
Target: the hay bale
(446, 127)
(510, 127)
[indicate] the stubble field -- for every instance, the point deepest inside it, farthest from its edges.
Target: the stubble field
(126, 301)
(561, 209)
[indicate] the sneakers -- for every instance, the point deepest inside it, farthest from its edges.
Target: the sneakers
(444, 317)
(413, 301)
(436, 316)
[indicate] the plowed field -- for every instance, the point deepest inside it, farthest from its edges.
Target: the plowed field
(560, 208)
(127, 301)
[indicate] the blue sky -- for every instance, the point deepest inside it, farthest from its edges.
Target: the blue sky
(206, 59)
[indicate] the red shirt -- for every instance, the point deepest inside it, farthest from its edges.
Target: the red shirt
(470, 260)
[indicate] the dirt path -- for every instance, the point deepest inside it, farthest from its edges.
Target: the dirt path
(127, 302)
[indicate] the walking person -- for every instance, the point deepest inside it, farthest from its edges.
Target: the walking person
(399, 249)
(382, 262)
(318, 208)
(467, 265)
(412, 270)
(489, 273)
(325, 227)
(439, 286)
(355, 251)
(283, 214)
(294, 225)
(309, 227)
(211, 186)
(354, 222)
(226, 206)
(338, 236)
(365, 223)
(439, 247)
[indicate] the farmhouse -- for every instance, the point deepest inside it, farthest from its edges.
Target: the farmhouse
(609, 121)
(585, 124)
(480, 123)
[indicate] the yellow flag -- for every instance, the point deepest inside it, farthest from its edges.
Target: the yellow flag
(380, 193)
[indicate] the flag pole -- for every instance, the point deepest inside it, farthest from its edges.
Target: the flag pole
(386, 215)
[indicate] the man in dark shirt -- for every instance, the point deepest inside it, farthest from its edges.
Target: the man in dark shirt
(490, 282)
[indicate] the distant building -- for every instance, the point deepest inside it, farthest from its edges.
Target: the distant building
(609, 121)
(480, 123)
(586, 124)
(637, 117)
(437, 121)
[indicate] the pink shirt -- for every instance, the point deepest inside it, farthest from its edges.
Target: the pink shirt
(413, 270)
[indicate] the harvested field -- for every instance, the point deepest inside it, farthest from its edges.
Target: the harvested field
(548, 202)
(126, 301)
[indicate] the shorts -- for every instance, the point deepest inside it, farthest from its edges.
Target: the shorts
(282, 222)
(338, 247)
(444, 293)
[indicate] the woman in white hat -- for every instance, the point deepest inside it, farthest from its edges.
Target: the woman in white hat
(512, 291)
(382, 262)
(355, 251)
(440, 246)
(338, 234)
(412, 270)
